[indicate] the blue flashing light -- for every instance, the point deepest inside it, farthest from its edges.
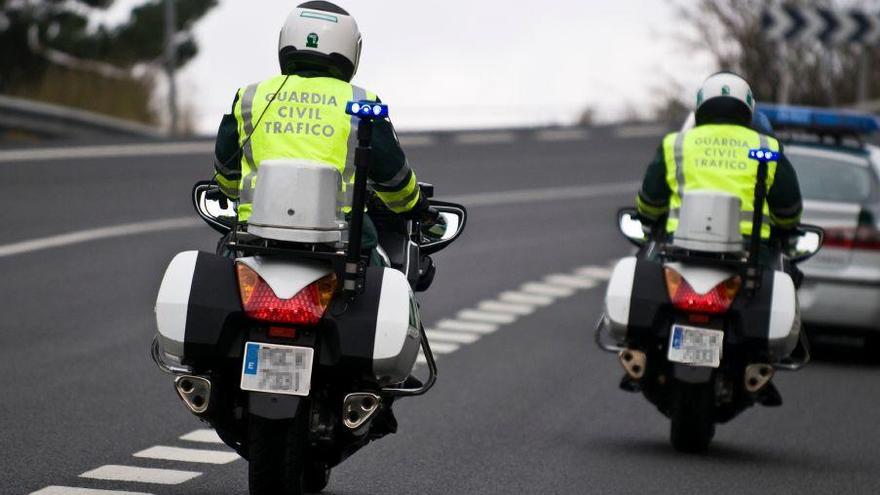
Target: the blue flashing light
(820, 120)
(367, 109)
(764, 155)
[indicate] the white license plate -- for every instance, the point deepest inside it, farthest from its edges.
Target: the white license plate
(277, 369)
(695, 346)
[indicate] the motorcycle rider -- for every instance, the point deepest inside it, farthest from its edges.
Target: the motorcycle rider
(713, 155)
(300, 114)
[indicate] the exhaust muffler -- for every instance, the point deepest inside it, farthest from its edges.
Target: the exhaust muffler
(358, 408)
(195, 391)
(633, 363)
(757, 376)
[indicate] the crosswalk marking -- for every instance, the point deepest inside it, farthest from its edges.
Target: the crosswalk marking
(504, 307)
(72, 490)
(483, 316)
(456, 337)
(466, 326)
(444, 347)
(188, 455)
(141, 475)
(202, 436)
(597, 272)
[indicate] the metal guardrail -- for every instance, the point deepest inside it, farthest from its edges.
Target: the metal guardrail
(53, 120)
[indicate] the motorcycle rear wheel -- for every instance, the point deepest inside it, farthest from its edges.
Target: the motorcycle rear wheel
(691, 415)
(277, 451)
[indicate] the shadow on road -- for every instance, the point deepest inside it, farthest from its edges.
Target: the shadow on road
(840, 346)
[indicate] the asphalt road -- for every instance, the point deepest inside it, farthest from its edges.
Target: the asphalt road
(531, 408)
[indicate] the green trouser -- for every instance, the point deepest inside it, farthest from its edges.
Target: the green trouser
(370, 240)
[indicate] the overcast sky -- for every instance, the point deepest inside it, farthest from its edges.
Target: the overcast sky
(457, 63)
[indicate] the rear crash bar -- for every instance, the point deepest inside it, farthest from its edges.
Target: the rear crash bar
(171, 369)
(432, 372)
(601, 328)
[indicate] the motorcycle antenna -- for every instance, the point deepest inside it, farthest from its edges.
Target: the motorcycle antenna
(753, 271)
(355, 266)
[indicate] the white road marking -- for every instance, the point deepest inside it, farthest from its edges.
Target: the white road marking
(485, 317)
(571, 281)
(188, 455)
(544, 194)
(523, 298)
(82, 236)
(597, 272)
(422, 360)
(72, 490)
(456, 337)
(505, 307)
(546, 290)
(485, 138)
(141, 475)
(443, 347)
(466, 326)
(409, 141)
(554, 135)
(203, 436)
(640, 131)
(63, 155)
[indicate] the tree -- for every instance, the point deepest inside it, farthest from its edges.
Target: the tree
(44, 42)
(731, 32)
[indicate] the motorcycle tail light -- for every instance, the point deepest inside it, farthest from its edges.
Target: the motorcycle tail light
(685, 298)
(260, 303)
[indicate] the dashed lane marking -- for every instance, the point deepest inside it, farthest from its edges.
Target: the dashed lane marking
(72, 490)
(443, 347)
(485, 138)
(546, 289)
(538, 195)
(187, 455)
(505, 307)
(141, 475)
(640, 131)
(408, 141)
(486, 317)
(574, 282)
(202, 436)
(466, 326)
(556, 135)
(524, 298)
(454, 337)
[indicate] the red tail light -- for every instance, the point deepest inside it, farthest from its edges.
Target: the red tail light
(716, 301)
(305, 308)
(866, 236)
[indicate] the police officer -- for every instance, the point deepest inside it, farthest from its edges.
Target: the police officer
(714, 156)
(300, 114)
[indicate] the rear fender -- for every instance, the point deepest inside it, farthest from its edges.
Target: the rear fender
(287, 277)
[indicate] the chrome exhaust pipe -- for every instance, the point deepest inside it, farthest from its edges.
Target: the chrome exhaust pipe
(757, 376)
(358, 408)
(194, 391)
(633, 363)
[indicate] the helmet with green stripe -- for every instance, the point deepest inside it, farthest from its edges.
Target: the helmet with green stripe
(727, 96)
(320, 36)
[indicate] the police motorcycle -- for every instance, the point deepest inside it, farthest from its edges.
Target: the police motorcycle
(294, 348)
(700, 323)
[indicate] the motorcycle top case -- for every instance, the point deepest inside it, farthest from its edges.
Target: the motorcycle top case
(199, 315)
(637, 300)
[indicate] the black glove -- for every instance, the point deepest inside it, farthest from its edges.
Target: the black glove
(433, 224)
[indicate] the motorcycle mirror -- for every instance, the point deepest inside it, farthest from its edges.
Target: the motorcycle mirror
(209, 201)
(631, 227)
(456, 218)
(806, 243)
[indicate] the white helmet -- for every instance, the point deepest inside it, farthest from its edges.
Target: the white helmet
(320, 34)
(725, 94)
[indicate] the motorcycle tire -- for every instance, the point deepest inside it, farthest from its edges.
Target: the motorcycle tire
(276, 455)
(316, 477)
(691, 415)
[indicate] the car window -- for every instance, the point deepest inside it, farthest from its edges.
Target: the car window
(830, 176)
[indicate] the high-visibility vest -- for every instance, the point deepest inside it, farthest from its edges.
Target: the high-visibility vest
(716, 158)
(298, 118)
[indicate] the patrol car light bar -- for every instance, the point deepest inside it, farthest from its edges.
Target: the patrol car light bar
(820, 120)
(367, 109)
(762, 154)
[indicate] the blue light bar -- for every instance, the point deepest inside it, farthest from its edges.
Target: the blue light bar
(820, 120)
(367, 109)
(764, 155)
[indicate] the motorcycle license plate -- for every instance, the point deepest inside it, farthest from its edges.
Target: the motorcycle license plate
(277, 369)
(695, 346)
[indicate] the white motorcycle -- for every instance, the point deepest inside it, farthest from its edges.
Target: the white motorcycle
(293, 346)
(701, 323)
